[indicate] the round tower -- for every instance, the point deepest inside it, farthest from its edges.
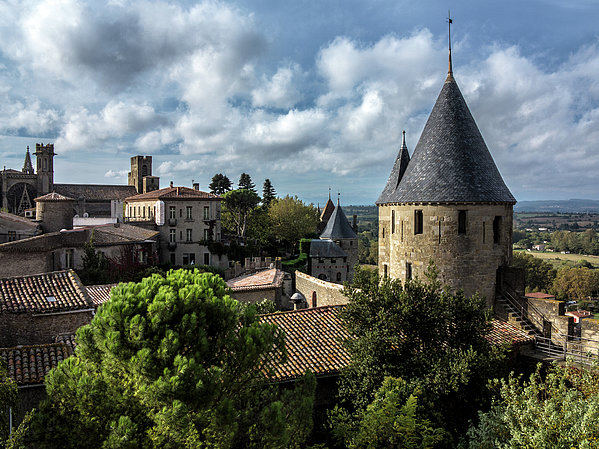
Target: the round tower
(54, 212)
(447, 204)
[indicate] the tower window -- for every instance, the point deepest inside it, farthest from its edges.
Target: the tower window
(461, 222)
(383, 231)
(418, 224)
(408, 271)
(144, 170)
(402, 230)
(484, 233)
(392, 222)
(497, 230)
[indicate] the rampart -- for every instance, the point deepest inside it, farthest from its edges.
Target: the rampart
(327, 293)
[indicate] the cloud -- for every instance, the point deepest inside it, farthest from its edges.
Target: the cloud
(116, 173)
(281, 91)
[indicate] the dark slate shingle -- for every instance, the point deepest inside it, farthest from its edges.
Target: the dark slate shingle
(338, 227)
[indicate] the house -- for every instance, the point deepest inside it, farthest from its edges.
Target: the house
(255, 287)
(580, 315)
(14, 227)
(188, 221)
(34, 309)
(327, 261)
(539, 247)
(64, 249)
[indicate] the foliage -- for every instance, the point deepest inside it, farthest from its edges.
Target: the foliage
(238, 206)
(368, 248)
(268, 192)
(586, 242)
(245, 182)
(425, 334)
(173, 362)
(220, 184)
(299, 263)
(262, 307)
(576, 283)
(95, 265)
(8, 398)
(390, 421)
(291, 219)
(559, 411)
(19, 435)
(538, 273)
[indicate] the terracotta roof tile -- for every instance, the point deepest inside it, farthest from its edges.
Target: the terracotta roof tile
(313, 338)
(502, 332)
(270, 278)
(539, 295)
(58, 291)
(53, 196)
(29, 364)
(99, 294)
(174, 193)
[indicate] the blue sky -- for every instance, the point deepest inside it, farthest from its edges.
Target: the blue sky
(309, 93)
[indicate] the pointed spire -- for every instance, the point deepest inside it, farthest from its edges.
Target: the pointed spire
(399, 168)
(329, 193)
(27, 166)
(450, 68)
(338, 197)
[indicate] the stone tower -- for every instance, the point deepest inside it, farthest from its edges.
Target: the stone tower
(340, 231)
(140, 175)
(447, 204)
(54, 212)
(44, 155)
(27, 165)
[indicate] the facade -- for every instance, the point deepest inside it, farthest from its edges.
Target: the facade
(188, 220)
(343, 235)
(447, 204)
(258, 286)
(328, 262)
(13, 227)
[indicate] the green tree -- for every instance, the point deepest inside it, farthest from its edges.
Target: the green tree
(245, 182)
(220, 184)
(423, 333)
(268, 192)
(8, 399)
(576, 283)
(95, 268)
(390, 421)
(560, 410)
(292, 220)
(174, 362)
(238, 206)
(539, 274)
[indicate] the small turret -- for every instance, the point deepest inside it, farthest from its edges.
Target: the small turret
(27, 166)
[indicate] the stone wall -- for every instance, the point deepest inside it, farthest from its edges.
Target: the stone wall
(327, 293)
(29, 329)
(547, 315)
(589, 333)
(466, 260)
(14, 263)
(253, 296)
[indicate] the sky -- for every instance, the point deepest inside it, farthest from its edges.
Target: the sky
(311, 94)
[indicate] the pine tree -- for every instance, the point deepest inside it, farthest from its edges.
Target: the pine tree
(220, 184)
(268, 192)
(245, 182)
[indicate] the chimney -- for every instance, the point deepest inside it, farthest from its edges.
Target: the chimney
(171, 183)
(355, 226)
(177, 191)
(196, 186)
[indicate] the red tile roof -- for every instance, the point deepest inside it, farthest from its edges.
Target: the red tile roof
(502, 332)
(313, 338)
(53, 196)
(265, 279)
(57, 291)
(99, 294)
(174, 193)
(539, 295)
(28, 365)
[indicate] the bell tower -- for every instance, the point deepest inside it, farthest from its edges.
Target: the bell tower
(44, 155)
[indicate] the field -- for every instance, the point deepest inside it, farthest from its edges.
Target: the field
(559, 259)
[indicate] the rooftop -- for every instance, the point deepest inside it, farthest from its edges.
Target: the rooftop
(174, 193)
(53, 196)
(99, 294)
(539, 295)
(93, 192)
(338, 227)
(28, 365)
(58, 291)
(326, 248)
(270, 278)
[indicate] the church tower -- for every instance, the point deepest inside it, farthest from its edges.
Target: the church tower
(44, 155)
(447, 204)
(140, 175)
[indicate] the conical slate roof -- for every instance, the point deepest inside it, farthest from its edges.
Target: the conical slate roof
(451, 162)
(338, 227)
(399, 168)
(27, 166)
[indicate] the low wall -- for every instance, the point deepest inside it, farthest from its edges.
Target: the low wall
(589, 330)
(327, 293)
(553, 311)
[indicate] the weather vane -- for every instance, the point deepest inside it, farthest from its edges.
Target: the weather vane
(449, 22)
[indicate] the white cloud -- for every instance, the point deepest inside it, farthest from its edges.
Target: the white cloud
(281, 91)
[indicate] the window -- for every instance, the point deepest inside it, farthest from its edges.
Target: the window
(68, 258)
(392, 222)
(12, 236)
(206, 212)
(439, 233)
(206, 234)
(172, 236)
(206, 258)
(143, 211)
(338, 277)
(383, 231)
(143, 256)
(180, 213)
(484, 236)
(497, 230)
(188, 235)
(172, 258)
(172, 212)
(418, 225)
(320, 260)
(402, 230)
(189, 259)
(461, 222)
(188, 213)
(385, 274)
(408, 271)
(333, 260)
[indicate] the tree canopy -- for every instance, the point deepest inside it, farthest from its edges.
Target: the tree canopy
(220, 184)
(426, 335)
(558, 410)
(245, 182)
(539, 274)
(576, 283)
(268, 192)
(173, 362)
(237, 208)
(291, 219)
(8, 399)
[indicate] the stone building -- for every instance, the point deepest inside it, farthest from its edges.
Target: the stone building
(327, 261)
(14, 227)
(188, 221)
(447, 204)
(341, 232)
